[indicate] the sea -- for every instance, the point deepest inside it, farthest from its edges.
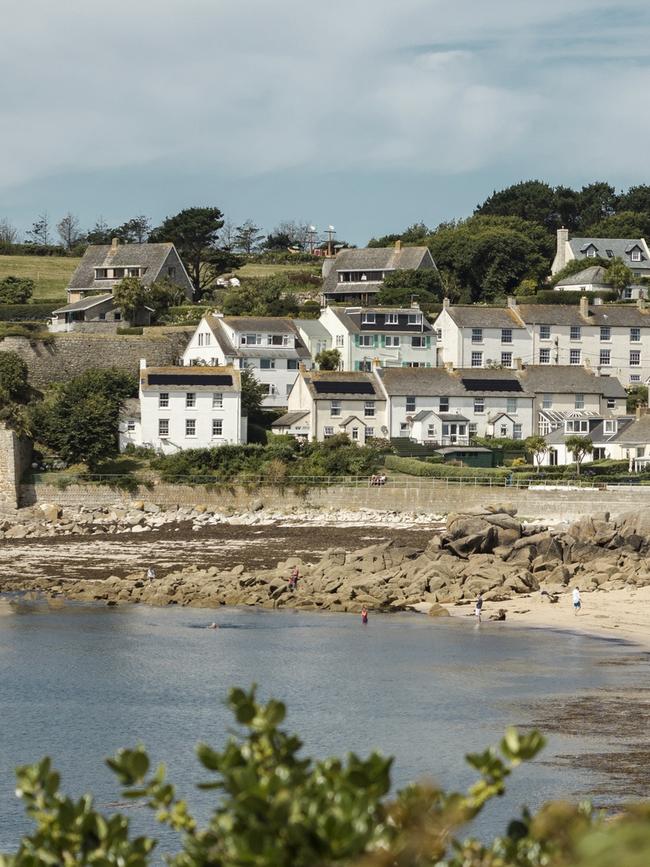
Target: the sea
(79, 681)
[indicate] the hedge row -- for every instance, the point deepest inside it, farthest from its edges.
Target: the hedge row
(27, 312)
(414, 467)
(553, 296)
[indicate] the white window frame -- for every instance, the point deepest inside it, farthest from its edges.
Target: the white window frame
(578, 401)
(335, 408)
(217, 400)
(605, 357)
(575, 332)
(130, 426)
(366, 341)
(605, 333)
(217, 423)
(411, 404)
(163, 400)
(635, 255)
(506, 359)
(328, 431)
(609, 426)
(479, 405)
(190, 400)
(575, 357)
(476, 359)
(163, 428)
(635, 358)
(392, 341)
(391, 319)
(511, 405)
(339, 341)
(369, 409)
(477, 335)
(635, 335)
(190, 424)
(547, 401)
(369, 432)
(544, 332)
(368, 319)
(506, 335)
(414, 319)
(270, 364)
(545, 355)
(418, 341)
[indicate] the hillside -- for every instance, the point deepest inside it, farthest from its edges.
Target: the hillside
(50, 273)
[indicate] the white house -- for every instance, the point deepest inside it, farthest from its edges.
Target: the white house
(356, 276)
(314, 335)
(269, 346)
(478, 336)
(323, 404)
(386, 336)
(633, 252)
(449, 407)
(185, 408)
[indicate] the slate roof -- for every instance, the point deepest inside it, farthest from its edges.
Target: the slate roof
(596, 432)
(637, 432)
(477, 316)
(191, 374)
(439, 381)
(264, 324)
(289, 418)
(353, 320)
(594, 274)
(149, 257)
(313, 328)
(373, 259)
(620, 248)
(568, 379)
(340, 378)
(84, 304)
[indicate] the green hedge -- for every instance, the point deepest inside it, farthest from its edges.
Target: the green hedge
(553, 296)
(136, 329)
(28, 312)
(414, 467)
(190, 314)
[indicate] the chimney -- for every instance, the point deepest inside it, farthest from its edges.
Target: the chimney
(512, 302)
(115, 243)
(560, 255)
(584, 306)
(445, 303)
(640, 411)
(398, 245)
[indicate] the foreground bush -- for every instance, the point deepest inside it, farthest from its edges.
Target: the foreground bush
(276, 809)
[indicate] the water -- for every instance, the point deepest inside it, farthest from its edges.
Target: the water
(79, 682)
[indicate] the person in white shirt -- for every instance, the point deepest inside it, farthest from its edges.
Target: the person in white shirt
(576, 600)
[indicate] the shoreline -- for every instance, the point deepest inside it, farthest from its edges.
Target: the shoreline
(620, 614)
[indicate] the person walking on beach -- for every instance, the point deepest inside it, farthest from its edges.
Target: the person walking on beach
(151, 573)
(364, 615)
(479, 607)
(293, 579)
(577, 604)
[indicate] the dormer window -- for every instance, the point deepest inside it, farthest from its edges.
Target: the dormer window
(610, 426)
(391, 319)
(415, 319)
(635, 255)
(577, 426)
(591, 252)
(101, 273)
(250, 340)
(363, 278)
(368, 318)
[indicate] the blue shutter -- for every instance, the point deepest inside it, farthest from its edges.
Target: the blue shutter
(357, 365)
(383, 340)
(375, 341)
(428, 341)
(356, 339)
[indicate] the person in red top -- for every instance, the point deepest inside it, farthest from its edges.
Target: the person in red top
(293, 580)
(364, 615)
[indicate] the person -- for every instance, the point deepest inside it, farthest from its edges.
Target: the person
(364, 615)
(293, 579)
(151, 573)
(479, 607)
(577, 604)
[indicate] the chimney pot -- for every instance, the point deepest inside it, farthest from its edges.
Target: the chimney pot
(445, 303)
(115, 243)
(512, 302)
(398, 245)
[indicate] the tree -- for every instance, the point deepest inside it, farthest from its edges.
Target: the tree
(101, 232)
(264, 296)
(414, 234)
(164, 294)
(537, 447)
(227, 235)
(68, 229)
(534, 201)
(636, 396)
(402, 287)
(619, 275)
(248, 237)
(595, 202)
(135, 230)
(79, 419)
(16, 290)
(579, 447)
(130, 295)
(575, 266)
(8, 233)
(194, 232)
(328, 359)
(623, 224)
(13, 378)
(40, 231)
(277, 241)
(253, 392)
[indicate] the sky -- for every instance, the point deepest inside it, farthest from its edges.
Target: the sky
(365, 114)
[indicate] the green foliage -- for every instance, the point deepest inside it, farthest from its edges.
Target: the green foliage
(537, 447)
(27, 312)
(534, 201)
(401, 287)
(185, 314)
(194, 232)
(328, 359)
(253, 392)
(619, 275)
(78, 419)
(14, 387)
(415, 234)
(636, 396)
(16, 290)
(130, 295)
(415, 467)
(574, 266)
(579, 447)
(559, 296)
(263, 296)
(623, 224)
(131, 330)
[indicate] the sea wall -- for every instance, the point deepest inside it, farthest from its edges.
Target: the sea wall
(434, 496)
(68, 355)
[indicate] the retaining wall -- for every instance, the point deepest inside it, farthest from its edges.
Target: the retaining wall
(435, 496)
(15, 455)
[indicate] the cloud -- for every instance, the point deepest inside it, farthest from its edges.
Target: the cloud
(245, 88)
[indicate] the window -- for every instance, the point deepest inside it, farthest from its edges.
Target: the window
(431, 431)
(511, 405)
(163, 427)
(605, 357)
(627, 293)
(101, 273)
(574, 356)
(439, 333)
(635, 377)
(200, 341)
(190, 400)
(636, 255)
(477, 359)
(365, 366)
(171, 272)
(335, 408)
(635, 335)
(576, 425)
(635, 358)
(503, 430)
(544, 356)
(132, 272)
(605, 332)
(506, 359)
(610, 254)
(217, 400)
(369, 409)
(117, 316)
(609, 426)
(418, 341)
(278, 340)
(391, 319)
(410, 404)
(479, 404)
(544, 427)
(370, 432)
(473, 429)
(190, 427)
(328, 432)
(611, 403)
(217, 427)
(443, 406)
(575, 332)
(288, 388)
(163, 400)
(339, 340)
(292, 364)
(102, 317)
(130, 426)
(251, 340)
(517, 431)
(355, 434)
(506, 335)
(392, 340)
(366, 340)
(267, 363)
(414, 319)
(477, 335)
(544, 332)
(579, 401)
(591, 253)
(368, 319)
(547, 401)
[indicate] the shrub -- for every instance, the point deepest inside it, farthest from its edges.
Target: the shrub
(25, 312)
(131, 330)
(16, 290)
(415, 467)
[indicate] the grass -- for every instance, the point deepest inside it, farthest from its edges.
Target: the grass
(252, 269)
(50, 273)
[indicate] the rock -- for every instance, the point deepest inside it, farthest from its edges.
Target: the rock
(256, 506)
(437, 610)
(51, 512)
(18, 531)
(137, 505)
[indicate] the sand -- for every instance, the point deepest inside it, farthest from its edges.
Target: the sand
(623, 614)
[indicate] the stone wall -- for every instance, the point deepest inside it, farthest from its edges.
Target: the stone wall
(70, 354)
(434, 496)
(15, 455)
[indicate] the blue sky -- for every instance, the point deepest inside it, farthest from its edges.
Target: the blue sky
(368, 114)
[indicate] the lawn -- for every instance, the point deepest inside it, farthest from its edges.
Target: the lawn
(252, 269)
(50, 273)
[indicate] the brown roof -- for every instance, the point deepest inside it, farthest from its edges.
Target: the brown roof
(193, 374)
